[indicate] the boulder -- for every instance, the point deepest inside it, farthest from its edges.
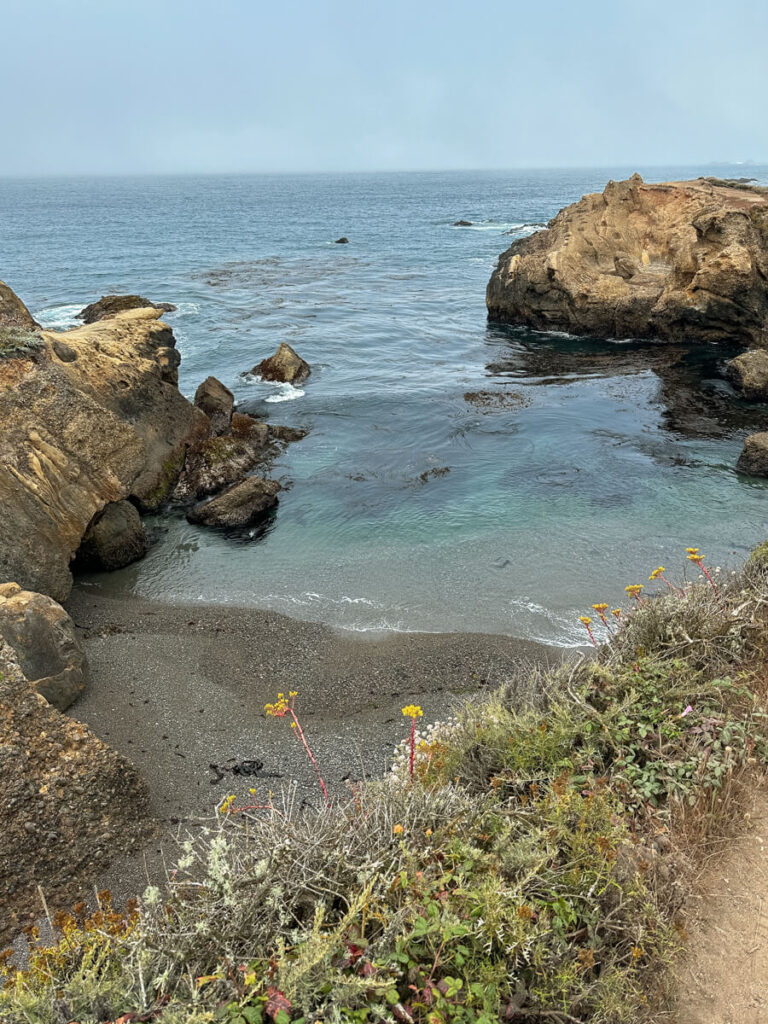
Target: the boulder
(114, 539)
(749, 373)
(285, 365)
(217, 402)
(70, 803)
(239, 506)
(81, 433)
(46, 647)
(754, 455)
(679, 261)
(219, 462)
(110, 305)
(13, 312)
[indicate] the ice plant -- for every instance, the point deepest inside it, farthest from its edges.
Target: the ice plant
(658, 574)
(412, 711)
(601, 610)
(634, 591)
(280, 709)
(692, 554)
(588, 624)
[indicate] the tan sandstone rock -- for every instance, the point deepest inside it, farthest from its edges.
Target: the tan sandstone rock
(749, 373)
(110, 305)
(87, 420)
(676, 261)
(69, 802)
(754, 455)
(43, 638)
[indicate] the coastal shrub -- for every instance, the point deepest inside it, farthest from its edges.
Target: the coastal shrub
(532, 867)
(18, 341)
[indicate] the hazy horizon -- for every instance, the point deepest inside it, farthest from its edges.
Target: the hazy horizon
(179, 88)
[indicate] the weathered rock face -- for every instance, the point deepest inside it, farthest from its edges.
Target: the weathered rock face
(239, 506)
(45, 644)
(678, 261)
(116, 538)
(111, 305)
(69, 802)
(749, 373)
(754, 455)
(285, 365)
(217, 402)
(90, 424)
(13, 312)
(217, 463)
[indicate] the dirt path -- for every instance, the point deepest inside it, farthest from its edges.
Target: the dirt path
(723, 979)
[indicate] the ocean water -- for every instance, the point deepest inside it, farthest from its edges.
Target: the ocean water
(407, 506)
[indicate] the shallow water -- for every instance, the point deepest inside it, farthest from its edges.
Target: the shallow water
(603, 460)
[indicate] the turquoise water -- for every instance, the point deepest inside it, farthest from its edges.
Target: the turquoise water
(607, 459)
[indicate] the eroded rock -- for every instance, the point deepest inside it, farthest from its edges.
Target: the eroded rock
(69, 802)
(754, 455)
(110, 305)
(285, 365)
(749, 373)
(46, 647)
(13, 312)
(240, 506)
(678, 261)
(217, 402)
(115, 539)
(219, 462)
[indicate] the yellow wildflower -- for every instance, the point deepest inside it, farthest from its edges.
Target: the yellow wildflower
(398, 830)
(698, 559)
(616, 612)
(692, 551)
(585, 619)
(634, 588)
(657, 572)
(600, 607)
(412, 711)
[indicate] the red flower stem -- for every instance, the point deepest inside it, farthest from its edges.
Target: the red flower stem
(311, 757)
(605, 621)
(591, 634)
(413, 743)
(706, 573)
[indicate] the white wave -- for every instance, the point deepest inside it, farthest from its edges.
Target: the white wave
(59, 318)
(285, 393)
(185, 309)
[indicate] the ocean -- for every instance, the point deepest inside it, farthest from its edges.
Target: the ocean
(407, 506)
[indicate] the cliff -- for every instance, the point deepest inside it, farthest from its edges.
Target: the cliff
(678, 261)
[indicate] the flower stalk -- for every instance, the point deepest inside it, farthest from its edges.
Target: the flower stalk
(412, 711)
(280, 709)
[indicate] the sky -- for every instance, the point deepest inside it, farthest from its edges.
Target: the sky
(180, 86)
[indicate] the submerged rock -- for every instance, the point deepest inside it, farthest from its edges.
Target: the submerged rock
(115, 539)
(462, 223)
(749, 373)
(217, 402)
(754, 455)
(678, 261)
(285, 365)
(45, 645)
(342, 241)
(239, 506)
(110, 305)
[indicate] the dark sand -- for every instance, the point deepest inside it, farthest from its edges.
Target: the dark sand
(178, 688)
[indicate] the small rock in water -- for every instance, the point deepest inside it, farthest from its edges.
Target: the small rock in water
(462, 223)
(342, 241)
(285, 365)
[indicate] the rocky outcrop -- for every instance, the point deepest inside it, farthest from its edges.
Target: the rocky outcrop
(218, 462)
(87, 420)
(110, 305)
(116, 538)
(45, 644)
(285, 365)
(217, 402)
(238, 507)
(677, 261)
(754, 455)
(69, 802)
(13, 312)
(749, 373)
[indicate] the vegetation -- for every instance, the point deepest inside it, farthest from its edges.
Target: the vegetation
(529, 866)
(19, 341)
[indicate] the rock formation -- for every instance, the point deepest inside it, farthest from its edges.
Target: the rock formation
(217, 402)
(679, 261)
(754, 455)
(110, 305)
(239, 506)
(116, 538)
(87, 420)
(749, 373)
(285, 365)
(69, 802)
(45, 644)
(13, 312)
(342, 241)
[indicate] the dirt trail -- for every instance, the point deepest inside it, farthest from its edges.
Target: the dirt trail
(723, 979)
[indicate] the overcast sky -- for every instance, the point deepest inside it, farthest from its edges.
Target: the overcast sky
(111, 86)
